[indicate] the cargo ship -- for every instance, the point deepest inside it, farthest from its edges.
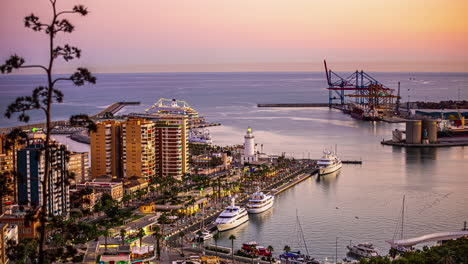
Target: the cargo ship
(361, 113)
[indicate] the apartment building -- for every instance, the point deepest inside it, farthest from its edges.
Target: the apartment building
(78, 164)
(138, 148)
(171, 146)
(106, 149)
(31, 170)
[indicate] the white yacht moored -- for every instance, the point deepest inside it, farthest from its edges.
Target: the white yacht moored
(328, 163)
(232, 217)
(260, 202)
(364, 250)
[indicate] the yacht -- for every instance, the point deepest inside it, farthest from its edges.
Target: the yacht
(260, 202)
(328, 163)
(204, 236)
(232, 217)
(364, 250)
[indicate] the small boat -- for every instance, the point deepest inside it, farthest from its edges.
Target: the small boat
(328, 163)
(363, 250)
(252, 246)
(232, 217)
(259, 202)
(204, 236)
(297, 257)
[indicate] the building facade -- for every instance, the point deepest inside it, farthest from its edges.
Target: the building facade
(106, 149)
(171, 146)
(31, 166)
(114, 189)
(25, 218)
(78, 164)
(138, 148)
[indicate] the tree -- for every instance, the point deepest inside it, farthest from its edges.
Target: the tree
(43, 97)
(270, 249)
(216, 238)
(122, 235)
(287, 248)
(105, 233)
(141, 234)
(157, 235)
(232, 238)
(181, 235)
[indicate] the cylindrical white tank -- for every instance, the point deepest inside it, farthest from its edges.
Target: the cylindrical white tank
(249, 144)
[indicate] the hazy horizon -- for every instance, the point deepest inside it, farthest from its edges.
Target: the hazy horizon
(255, 35)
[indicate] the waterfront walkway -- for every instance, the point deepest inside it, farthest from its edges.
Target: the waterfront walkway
(409, 242)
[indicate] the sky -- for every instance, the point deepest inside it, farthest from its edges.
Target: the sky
(249, 35)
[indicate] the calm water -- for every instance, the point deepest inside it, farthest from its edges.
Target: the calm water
(368, 197)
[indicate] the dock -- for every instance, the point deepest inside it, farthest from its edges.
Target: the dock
(114, 108)
(293, 182)
(295, 105)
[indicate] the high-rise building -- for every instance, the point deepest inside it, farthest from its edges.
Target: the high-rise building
(31, 169)
(106, 150)
(171, 146)
(138, 148)
(78, 164)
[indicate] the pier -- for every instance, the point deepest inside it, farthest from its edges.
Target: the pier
(435, 237)
(114, 108)
(293, 182)
(295, 105)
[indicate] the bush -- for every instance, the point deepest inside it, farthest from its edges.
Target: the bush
(217, 249)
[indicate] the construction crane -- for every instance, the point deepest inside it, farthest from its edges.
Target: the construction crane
(359, 85)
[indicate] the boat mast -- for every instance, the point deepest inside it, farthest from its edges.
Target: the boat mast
(402, 217)
(301, 233)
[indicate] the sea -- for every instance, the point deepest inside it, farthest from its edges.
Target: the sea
(361, 203)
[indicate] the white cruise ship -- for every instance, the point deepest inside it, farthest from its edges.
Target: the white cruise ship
(232, 217)
(260, 202)
(328, 163)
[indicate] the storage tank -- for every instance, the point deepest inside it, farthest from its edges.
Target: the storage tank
(397, 135)
(430, 126)
(413, 131)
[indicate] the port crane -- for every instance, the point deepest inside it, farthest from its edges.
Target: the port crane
(359, 85)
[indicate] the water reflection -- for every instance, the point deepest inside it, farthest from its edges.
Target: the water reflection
(421, 155)
(328, 179)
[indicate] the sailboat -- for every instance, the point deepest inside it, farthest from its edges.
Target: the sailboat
(400, 224)
(205, 233)
(297, 256)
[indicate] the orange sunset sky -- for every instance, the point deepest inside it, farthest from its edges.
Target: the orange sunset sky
(250, 35)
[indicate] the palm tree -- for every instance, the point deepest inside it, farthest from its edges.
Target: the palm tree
(232, 238)
(216, 238)
(157, 236)
(270, 249)
(181, 235)
(141, 234)
(447, 256)
(122, 235)
(105, 233)
(287, 248)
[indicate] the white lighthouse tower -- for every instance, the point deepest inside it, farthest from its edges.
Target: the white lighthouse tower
(249, 147)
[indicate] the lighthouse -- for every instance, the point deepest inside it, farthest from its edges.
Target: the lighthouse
(249, 147)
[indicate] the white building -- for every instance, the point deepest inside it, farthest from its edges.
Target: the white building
(250, 154)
